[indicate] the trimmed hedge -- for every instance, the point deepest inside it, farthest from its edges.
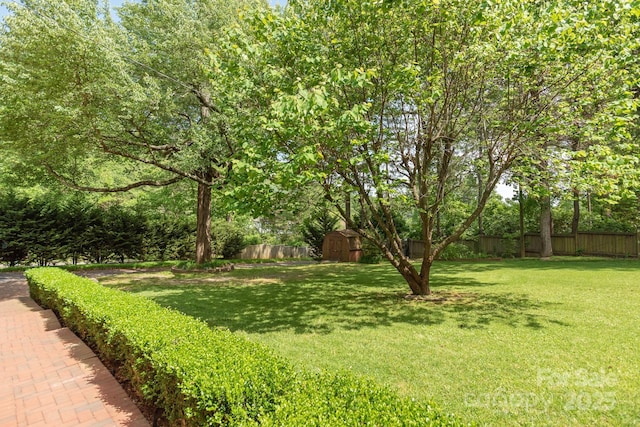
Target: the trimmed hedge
(200, 376)
(341, 399)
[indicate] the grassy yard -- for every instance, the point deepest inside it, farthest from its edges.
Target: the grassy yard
(501, 343)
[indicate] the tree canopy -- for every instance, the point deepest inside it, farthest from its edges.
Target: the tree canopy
(396, 105)
(84, 93)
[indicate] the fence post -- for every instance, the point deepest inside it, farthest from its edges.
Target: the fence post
(638, 243)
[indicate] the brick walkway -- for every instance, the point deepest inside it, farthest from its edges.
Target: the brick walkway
(48, 376)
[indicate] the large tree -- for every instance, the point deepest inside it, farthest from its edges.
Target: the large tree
(82, 94)
(594, 153)
(397, 102)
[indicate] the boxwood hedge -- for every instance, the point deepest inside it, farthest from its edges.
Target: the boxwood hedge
(199, 376)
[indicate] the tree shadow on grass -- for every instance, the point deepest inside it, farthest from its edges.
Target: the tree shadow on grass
(272, 300)
(561, 263)
(473, 310)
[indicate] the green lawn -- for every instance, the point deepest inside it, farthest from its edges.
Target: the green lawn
(503, 343)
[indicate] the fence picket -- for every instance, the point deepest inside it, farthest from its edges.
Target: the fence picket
(585, 243)
(273, 252)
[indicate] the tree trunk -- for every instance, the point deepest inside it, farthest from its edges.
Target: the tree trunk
(203, 229)
(425, 279)
(546, 249)
(418, 282)
(575, 221)
(347, 209)
(523, 250)
(480, 192)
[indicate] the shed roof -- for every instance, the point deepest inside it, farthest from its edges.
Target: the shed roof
(346, 233)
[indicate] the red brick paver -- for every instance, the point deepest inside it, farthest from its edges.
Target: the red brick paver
(48, 376)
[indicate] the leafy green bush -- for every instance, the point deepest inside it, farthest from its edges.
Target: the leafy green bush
(227, 239)
(14, 247)
(371, 254)
(211, 265)
(196, 375)
(270, 260)
(45, 230)
(170, 238)
(200, 376)
(316, 227)
(371, 258)
(344, 400)
(456, 251)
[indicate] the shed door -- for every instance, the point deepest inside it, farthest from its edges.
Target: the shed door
(331, 248)
(335, 248)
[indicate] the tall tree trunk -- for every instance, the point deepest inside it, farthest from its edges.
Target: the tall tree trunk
(546, 224)
(546, 249)
(523, 251)
(480, 192)
(589, 210)
(575, 220)
(203, 229)
(347, 208)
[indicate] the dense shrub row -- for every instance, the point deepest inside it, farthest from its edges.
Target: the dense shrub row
(46, 230)
(200, 376)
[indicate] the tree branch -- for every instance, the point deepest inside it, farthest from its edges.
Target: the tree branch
(167, 148)
(155, 163)
(143, 183)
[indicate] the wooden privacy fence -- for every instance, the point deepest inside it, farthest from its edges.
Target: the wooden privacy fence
(273, 252)
(587, 243)
(415, 248)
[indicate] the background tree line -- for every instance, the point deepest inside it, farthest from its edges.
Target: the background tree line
(49, 229)
(412, 112)
(44, 230)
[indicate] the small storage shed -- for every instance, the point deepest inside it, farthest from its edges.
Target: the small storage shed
(342, 245)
